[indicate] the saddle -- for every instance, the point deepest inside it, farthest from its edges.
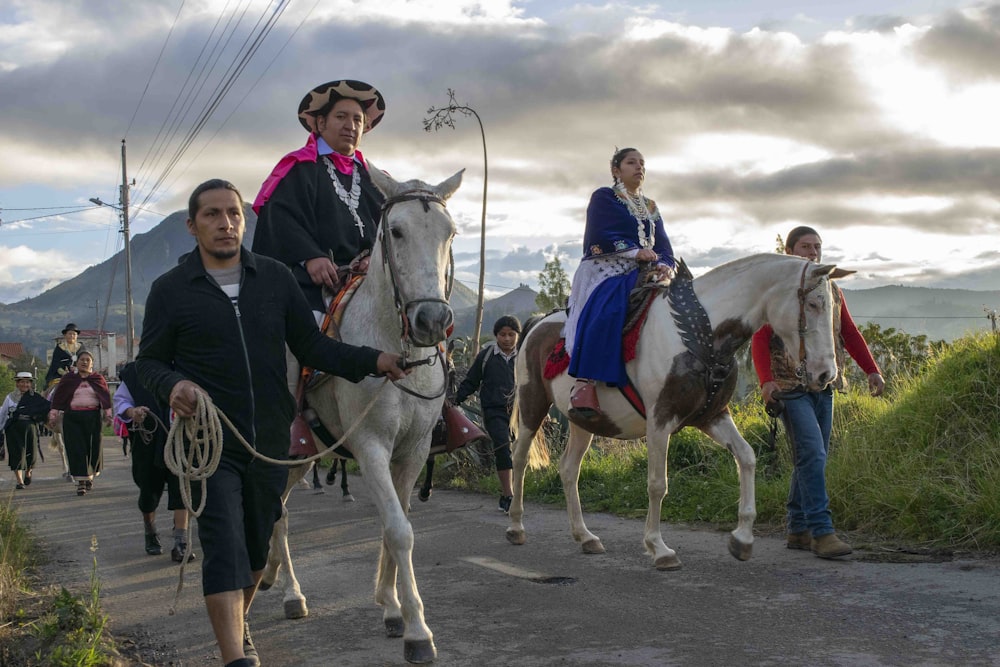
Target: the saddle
(692, 324)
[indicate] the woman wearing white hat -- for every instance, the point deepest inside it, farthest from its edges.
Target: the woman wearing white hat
(20, 414)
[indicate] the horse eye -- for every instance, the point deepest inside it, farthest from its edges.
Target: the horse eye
(396, 233)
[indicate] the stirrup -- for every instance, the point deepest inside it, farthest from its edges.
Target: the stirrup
(303, 445)
(583, 401)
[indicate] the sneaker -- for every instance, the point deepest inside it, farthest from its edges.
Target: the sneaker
(81, 489)
(153, 547)
(90, 484)
(801, 540)
(177, 553)
(504, 504)
(830, 546)
(249, 650)
(19, 486)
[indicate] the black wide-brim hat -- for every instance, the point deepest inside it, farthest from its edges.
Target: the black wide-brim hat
(370, 99)
(70, 327)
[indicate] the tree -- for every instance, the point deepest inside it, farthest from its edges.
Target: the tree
(444, 116)
(553, 286)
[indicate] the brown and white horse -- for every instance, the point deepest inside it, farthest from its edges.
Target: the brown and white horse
(402, 306)
(683, 379)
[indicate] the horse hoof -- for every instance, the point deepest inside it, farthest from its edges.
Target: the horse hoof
(516, 537)
(419, 651)
(264, 586)
(668, 563)
(394, 627)
(348, 498)
(424, 495)
(592, 547)
(739, 550)
(296, 609)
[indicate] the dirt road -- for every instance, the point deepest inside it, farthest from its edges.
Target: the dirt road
(485, 604)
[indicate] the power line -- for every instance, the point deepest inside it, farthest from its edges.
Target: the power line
(155, 65)
(38, 208)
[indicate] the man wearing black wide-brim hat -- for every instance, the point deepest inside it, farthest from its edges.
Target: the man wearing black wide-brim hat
(318, 210)
(64, 355)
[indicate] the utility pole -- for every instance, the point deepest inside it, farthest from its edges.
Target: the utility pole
(97, 310)
(129, 324)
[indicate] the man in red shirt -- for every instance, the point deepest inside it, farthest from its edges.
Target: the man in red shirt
(808, 415)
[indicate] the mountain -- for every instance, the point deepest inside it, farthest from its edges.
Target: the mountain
(37, 321)
(940, 314)
(519, 302)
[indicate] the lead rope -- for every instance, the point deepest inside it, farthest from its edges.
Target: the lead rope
(200, 460)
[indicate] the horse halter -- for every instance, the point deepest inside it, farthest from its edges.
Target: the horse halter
(389, 259)
(425, 197)
(800, 371)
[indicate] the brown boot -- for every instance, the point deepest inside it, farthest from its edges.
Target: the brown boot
(801, 540)
(830, 546)
(583, 400)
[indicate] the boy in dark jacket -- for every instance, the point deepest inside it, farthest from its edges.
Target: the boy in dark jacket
(492, 373)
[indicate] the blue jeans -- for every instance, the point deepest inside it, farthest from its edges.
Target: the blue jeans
(807, 421)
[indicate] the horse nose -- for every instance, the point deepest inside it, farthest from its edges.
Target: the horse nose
(430, 323)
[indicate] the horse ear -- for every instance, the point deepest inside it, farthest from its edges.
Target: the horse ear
(831, 270)
(383, 181)
(841, 273)
(447, 188)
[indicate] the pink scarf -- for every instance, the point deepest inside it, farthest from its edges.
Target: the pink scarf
(308, 153)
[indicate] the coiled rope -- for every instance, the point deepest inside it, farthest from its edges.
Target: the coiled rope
(194, 449)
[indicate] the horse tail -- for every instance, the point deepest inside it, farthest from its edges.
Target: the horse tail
(538, 452)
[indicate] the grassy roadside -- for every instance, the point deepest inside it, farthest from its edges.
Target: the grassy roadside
(917, 468)
(50, 626)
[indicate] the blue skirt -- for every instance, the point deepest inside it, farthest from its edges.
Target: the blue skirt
(597, 352)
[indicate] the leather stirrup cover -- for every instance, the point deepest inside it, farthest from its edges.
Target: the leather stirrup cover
(303, 444)
(461, 429)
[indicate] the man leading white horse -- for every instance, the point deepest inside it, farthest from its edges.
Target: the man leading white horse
(218, 323)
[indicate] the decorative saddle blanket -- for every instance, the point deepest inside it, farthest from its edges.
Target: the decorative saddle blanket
(689, 317)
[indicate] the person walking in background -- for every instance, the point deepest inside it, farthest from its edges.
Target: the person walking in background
(624, 227)
(147, 422)
(217, 325)
(20, 414)
(808, 415)
(64, 355)
(84, 400)
(492, 374)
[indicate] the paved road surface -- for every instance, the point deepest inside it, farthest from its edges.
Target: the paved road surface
(780, 608)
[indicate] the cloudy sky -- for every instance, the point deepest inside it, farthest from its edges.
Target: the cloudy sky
(874, 121)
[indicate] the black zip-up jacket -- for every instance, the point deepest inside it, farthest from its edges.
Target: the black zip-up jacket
(191, 331)
(493, 376)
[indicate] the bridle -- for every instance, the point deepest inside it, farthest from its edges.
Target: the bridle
(800, 371)
(425, 197)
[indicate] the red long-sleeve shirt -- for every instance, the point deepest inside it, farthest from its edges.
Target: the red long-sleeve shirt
(854, 344)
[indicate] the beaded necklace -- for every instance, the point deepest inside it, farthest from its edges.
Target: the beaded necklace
(636, 205)
(350, 199)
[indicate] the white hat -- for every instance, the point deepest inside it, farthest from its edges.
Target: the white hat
(24, 375)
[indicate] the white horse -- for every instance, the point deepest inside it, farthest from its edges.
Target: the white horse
(401, 305)
(684, 374)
